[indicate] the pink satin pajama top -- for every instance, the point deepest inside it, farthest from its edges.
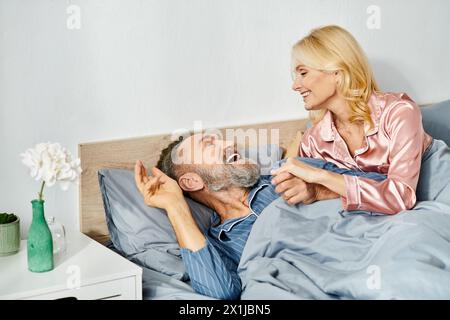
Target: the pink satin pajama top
(394, 146)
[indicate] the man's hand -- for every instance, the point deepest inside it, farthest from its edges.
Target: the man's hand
(294, 190)
(158, 190)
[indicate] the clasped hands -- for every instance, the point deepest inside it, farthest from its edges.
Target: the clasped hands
(297, 182)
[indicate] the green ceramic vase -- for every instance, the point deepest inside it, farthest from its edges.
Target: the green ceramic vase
(40, 242)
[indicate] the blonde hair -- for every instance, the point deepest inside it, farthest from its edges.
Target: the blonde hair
(332, 48)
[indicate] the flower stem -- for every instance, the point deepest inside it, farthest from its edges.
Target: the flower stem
(42, 190)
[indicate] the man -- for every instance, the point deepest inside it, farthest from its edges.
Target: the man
(211, 171)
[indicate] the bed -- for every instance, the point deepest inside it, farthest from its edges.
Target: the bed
(122, 154)
(280, 263)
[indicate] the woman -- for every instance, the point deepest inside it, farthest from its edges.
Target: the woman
(355, 126)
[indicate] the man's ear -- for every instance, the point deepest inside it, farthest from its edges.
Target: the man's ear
(191, 182)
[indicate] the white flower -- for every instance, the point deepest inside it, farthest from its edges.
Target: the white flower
(52, 163)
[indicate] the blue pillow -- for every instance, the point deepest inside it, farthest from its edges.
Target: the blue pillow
(144, 234)
(436, 120)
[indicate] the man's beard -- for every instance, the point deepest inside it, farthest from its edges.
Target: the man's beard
(224, 176)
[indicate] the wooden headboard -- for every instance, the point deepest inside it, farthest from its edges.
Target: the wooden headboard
(124, 153)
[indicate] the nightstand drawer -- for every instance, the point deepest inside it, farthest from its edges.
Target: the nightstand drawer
(103, 274)
(110, 290)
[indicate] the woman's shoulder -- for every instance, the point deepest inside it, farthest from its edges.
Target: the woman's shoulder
(395, 107)
(389, 100)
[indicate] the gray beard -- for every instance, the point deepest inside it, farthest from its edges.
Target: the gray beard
(223, 177)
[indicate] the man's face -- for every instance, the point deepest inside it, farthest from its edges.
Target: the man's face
(217, 161)
(207, 149)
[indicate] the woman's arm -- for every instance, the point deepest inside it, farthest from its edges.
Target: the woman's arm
(403, 125)
(295, 190)
(334, 182)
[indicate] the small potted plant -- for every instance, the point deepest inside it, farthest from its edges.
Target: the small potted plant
(9, 234)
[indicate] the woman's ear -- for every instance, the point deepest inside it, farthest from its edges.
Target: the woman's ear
(337, 77)
(191, 182)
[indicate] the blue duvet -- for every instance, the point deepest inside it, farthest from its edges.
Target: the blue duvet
(319, 251)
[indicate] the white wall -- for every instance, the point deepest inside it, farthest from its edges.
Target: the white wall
(144, 67)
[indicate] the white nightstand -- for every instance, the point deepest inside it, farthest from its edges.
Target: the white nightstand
(88, 270)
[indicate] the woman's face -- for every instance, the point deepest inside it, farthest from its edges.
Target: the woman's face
(315, 86)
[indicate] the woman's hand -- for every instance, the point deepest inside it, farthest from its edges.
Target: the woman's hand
(301, 170)
(329, 185)
(158, 190)
(294, 190)
(300, 182)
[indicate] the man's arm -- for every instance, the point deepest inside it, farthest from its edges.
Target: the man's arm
(163, 192)
(210, 274)
(186, 229)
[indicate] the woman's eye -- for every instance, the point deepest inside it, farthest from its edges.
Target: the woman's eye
(303, 73)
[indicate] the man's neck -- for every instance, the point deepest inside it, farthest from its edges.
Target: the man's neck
(228, 204)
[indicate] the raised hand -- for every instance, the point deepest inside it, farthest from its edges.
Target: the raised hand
(158, 190)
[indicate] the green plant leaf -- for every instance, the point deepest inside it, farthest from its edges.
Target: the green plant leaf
(7, 218)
